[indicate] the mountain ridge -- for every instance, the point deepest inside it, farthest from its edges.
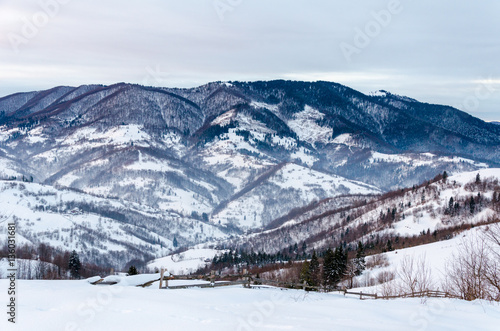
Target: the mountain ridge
(200, 155)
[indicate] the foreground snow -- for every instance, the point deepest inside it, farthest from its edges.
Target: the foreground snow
(77, 305)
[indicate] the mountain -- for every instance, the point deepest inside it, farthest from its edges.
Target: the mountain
(221, 159)
(433, 211)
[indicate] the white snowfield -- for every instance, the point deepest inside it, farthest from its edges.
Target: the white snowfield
(185, 262)
(77, 305)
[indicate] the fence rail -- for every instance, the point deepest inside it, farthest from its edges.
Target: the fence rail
(248, 281)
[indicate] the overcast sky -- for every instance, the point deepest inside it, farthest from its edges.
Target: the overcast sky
(443, 51)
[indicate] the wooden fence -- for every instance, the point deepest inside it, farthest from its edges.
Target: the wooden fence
(248, 281)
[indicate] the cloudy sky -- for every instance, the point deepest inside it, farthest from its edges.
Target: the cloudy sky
(443, 52)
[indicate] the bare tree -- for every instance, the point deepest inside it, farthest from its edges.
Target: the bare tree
(466, 272)
(414, 275)
(492, 270)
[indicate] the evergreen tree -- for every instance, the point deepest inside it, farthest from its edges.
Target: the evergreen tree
(132, 271)
(359, 261)
(478, 179)
(314, 271)
(74, 265)
(472, 204)
(445, 176)
(175, 243)
(305, 274)
(339, 264)
(389, 245)
(329, 270)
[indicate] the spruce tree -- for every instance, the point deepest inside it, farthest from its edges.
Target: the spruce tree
(305, 275)
(472, 205)
(359, 261)
(328, 270)
(132, 271)
(339, 264)
(314, 271)
(450, 205)
(389, 245)
(74, 265)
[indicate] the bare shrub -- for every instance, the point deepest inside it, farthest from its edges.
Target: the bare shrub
(492, 272)
(466, 271)
(377, 261)
(385, 277)
(388, 289)
(414, 275)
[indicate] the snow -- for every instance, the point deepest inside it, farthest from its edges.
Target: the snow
(422, 159)
(302, 156)
(134, 280)
(7, 169)
(436, 257)
(248, 211)
(225, 118)
(273, 108)
(306, 127)
(379, 93)
(185, 262)
(77, 305)
(345, 139)
(466, 177)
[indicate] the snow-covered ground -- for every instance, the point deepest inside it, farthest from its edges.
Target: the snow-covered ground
(185, 262)
(438, 257)
(77, 305)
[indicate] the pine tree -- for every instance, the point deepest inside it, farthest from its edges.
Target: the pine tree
(314, 271)
(445, 176)
(478, 179)
(389, 245)
(329, 270)
(132, 271)
(305, 275)
(175, 243)
(359, 261)
(339, 264)
(472, 204)
(74, 265)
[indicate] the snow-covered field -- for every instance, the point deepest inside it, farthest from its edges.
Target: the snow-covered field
(185, 262)
(77, 305)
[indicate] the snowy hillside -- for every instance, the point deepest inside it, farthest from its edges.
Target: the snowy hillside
(111, 229)
(289, 187)
(419, 211)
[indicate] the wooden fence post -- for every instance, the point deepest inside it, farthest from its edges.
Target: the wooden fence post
(162, 274)
(212, 277)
